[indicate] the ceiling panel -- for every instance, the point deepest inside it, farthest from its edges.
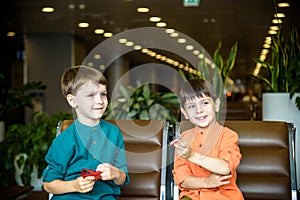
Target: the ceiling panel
(244, 21)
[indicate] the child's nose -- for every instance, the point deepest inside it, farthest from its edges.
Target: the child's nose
(199, 108)
(99, 99)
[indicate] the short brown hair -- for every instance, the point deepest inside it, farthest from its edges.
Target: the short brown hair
(196, 88)
(73, 78)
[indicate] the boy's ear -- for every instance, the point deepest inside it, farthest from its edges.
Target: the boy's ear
(217, 105)
(184, 113)
(71, 100)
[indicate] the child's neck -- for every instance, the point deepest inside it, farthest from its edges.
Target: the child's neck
(89, 122)
(210, 126)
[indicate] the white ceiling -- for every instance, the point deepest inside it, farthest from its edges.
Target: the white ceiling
(244, 21)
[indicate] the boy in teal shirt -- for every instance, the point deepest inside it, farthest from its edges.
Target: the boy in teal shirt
(89, 143)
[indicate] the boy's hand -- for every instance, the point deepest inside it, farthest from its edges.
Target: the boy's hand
(173, 142)
(109, 172)
(215, 180)
(84, 185)
(182, 149)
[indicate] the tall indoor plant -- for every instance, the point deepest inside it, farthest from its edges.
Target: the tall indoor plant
(143, 103)
(284, 65)
(282, 102)
(12, 99)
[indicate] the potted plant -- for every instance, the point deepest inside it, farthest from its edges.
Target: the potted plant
(143, 103)
(284, 65)
(282, 102)
(24, 148)
(14, 98)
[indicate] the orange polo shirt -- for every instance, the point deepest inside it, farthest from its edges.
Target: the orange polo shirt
(226, 148)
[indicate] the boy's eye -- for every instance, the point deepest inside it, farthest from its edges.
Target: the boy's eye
(190, 106)
(90, 95)
(205, 102)
(103, 94)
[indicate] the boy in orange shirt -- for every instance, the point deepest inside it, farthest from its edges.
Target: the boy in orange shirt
(207, 155)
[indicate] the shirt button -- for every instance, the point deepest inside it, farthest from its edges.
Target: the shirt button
(94, 157)
(94, 129)
(200, 145)
(201, 133)
(94, 142)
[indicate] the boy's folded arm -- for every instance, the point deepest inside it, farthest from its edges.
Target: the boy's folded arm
(81, 185)
(215, 165)
(60, 187)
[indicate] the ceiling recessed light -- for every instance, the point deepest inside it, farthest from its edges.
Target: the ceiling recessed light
(272, 32)
(143, 10)
(154, 19)
(161, 24)
(122, 40)
(98, 31)
(274, 28)
(144, 50)
(189, 47)
(152, 54)
(181, 40)
(97, 56)
(268, 42)
(47, 9)
(279, 15)
(264, 51)
(262, 57)
(149, 52)
(267, 46)
(269, 39)
(129, 44)
(277, 21)
(102, 67)
(107, 34)
(175, 63)
(281, 5)
(163, 58)
(137, 47)
(83, 25)
(257, 69)
(174, 34)
(196, 52)
(170, 30)
(201, 56)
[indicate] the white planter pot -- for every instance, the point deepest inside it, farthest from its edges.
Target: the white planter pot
(279, 107)
(35, 181)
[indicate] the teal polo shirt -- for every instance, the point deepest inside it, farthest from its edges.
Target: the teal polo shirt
(81, 146)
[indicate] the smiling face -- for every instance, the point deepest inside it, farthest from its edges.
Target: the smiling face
(89, 102)
(201, 111)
